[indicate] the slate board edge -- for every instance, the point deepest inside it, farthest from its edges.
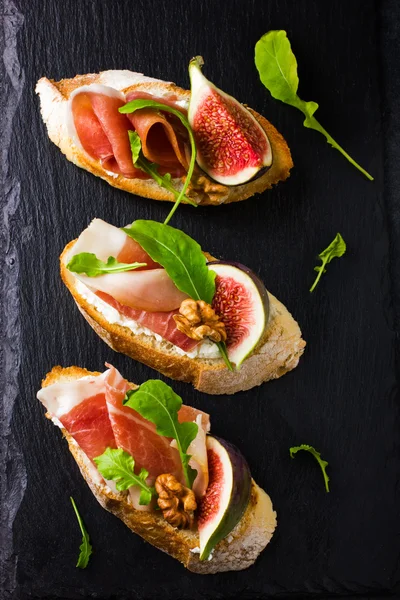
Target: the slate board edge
(12, 473)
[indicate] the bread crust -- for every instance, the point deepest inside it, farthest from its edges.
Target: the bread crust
(238, 551)
(53, 100)
(278, 353)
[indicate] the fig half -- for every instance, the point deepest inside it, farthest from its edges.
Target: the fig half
(232, 147)
(242, 302)
(227, 495)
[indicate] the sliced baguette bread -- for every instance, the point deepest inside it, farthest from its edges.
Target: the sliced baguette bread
(236, 552)
(54, 103)
(278, 352)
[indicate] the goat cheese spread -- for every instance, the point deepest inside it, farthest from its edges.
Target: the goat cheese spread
(206, 349)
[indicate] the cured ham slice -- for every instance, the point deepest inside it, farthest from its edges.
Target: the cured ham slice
(188, 413)
(80, 406)
(90, 426)
(198, 452)
(162, 135)
(104, 240)
(137, 435)
(150, 290)
(160, 143)
(161, 323)
(91, 409)
(102, 130)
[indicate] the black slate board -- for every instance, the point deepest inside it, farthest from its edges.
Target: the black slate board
(342, 398)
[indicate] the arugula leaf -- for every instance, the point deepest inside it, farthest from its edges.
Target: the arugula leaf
(322, 463)
(85, 548)
(182, 258)
(88, 263)
(130, 107)
(224, 354)
(117, 465)
(179, 254)
(155, 401)
(277, 67)
(336, 249)
(141, 162)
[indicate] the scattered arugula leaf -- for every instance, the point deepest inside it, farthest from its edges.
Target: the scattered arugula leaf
(156, 401)
(117, 465)
(277, 67)
(88, 263)
(179, 254)
(322, 463)
(85, 548)
(141, 162)
(336, 249)
(130, 107)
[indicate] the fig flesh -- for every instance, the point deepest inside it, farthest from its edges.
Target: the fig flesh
(242, 302)
(232, 147)
(227, 495)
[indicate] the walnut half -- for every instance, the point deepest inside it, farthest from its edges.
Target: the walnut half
(176, 501)
(198, 320)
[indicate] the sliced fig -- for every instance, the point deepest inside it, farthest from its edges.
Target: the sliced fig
(232, 147)
(241, 301)
(227, 495)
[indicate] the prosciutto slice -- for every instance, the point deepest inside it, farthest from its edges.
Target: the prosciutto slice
(104, 240)
(146, 295)
(149, 289)
(91, 410)
(102, 131)
(138, 436)
(162, 135)
(80, 406)
(161, 323)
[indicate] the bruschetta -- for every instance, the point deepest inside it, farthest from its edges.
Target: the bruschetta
(150, 292)
(189, 494)
(236, 152)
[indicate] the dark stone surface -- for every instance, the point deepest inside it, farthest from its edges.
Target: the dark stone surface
(342, 398)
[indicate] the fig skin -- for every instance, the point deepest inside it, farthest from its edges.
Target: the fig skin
(264, 300)
(232, 147)
(239, 496)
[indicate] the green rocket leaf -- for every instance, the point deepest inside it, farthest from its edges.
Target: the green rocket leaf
(277, 67)
(88, 263)
(85, 548)
(336, 249)
(179, 254)
(182, 258)
(117, 465)
(322, 463)
(155, 401)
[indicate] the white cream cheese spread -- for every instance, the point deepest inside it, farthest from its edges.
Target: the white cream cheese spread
(206, 349)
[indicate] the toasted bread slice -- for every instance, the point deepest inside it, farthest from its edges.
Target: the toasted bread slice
(53, 103)
(234, 553)
(278, 353)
